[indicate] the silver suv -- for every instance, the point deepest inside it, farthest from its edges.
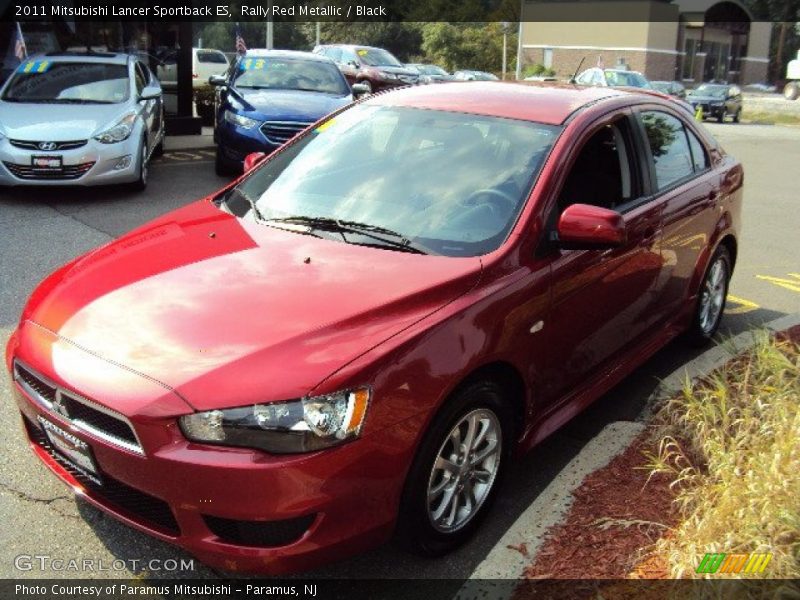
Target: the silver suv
(80, 119)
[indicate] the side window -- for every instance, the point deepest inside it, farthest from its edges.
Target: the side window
(604, 173)
(668, 146)
(699, 155)
(584, 78)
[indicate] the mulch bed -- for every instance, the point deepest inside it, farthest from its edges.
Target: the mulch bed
(617, 512)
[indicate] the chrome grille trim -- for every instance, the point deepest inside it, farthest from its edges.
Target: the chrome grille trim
(65, 172)
(55, 407)
(28, 145)
(280, 132)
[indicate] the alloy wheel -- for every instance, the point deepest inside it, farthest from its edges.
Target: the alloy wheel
(464, 470)
(713, 295)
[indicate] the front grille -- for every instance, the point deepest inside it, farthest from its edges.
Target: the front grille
(33, 173)
(77, 411)
(262, 534)
(58, 145)
(83, 414)
(120, 497)
(407, 78)
(44, 390)
(280, 132)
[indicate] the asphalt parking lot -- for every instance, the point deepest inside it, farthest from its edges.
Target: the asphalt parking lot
(40, 230)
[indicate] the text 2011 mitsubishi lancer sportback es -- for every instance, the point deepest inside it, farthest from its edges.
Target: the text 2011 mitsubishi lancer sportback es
(356, 338)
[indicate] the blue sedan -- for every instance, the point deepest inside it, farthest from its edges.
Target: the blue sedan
(268, 97)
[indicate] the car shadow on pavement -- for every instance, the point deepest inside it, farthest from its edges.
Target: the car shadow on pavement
(524, 481)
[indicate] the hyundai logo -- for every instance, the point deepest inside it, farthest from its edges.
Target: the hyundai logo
(47, 145)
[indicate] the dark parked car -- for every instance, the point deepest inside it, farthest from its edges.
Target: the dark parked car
(671, 88)
(375, 68)
(269, 96)
(469, 75)
(718, 100)
(431, 73)
(357, 338)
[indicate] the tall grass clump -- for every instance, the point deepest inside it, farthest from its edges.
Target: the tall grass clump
(731, 444)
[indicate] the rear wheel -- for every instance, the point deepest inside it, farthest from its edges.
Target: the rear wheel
(457, 470)
(736, 115)
(711, 299)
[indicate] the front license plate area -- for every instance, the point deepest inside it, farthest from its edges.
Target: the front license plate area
(73, 449)
(46, 162)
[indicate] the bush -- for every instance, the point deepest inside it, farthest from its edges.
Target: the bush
(731, 445)
(537, 70)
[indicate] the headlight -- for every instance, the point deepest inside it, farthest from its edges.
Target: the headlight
(388, 76)
(244, 122)
(118, 132)
(283, 427)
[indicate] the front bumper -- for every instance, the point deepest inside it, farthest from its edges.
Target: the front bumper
(235, 142)
(90, 164)
(236, 509)
(709, 110)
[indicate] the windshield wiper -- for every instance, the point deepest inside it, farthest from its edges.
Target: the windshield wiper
(365, 229)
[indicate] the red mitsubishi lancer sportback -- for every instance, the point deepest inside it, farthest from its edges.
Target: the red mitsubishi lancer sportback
(359, 335)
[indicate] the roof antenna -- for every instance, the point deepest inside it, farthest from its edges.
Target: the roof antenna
(575, 74)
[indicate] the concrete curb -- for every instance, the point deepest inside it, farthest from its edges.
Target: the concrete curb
(552, 505)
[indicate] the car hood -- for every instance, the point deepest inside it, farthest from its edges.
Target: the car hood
(227, 312)
(706, 99)
(396, 70)
(64, 122)
(289, 105)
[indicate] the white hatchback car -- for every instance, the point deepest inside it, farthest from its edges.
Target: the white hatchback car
(80, 119)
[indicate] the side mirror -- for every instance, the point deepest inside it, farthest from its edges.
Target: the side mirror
(585, 227)
(359, 89)
(252, 159)
(217, 80)
(353, 64)
(150, 92)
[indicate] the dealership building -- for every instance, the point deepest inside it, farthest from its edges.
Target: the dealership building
(681, 40)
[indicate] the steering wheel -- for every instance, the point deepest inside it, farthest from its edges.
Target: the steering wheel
(500, 202)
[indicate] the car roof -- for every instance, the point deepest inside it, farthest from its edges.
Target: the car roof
(550, 103)
(291, 54)
(118, 58)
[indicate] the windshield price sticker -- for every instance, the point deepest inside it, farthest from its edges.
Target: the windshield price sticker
(253, 64)
(34, 66)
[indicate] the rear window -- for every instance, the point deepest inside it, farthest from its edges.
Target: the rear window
(208, 56)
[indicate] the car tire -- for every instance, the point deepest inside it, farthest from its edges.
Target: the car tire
(791, 90)
(736, 115)
(710, 299)
(368, 84)
(140, 183)
(721, 117)
(221, 165)
(443, 474)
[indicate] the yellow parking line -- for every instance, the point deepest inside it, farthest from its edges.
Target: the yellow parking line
(790, 284)
(743, 306)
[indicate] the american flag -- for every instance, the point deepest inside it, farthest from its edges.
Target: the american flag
(241, 47)
(20, 51)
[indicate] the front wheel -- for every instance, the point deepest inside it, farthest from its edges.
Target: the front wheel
(141, 180)
(711, 299)
(737, 115)
(457, 470)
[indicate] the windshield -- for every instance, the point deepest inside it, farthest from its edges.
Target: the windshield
(430, 70)
(450, 183)
(715, 91)
(376, 57)
(627, 79)
(291, 74)
(68, 83)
